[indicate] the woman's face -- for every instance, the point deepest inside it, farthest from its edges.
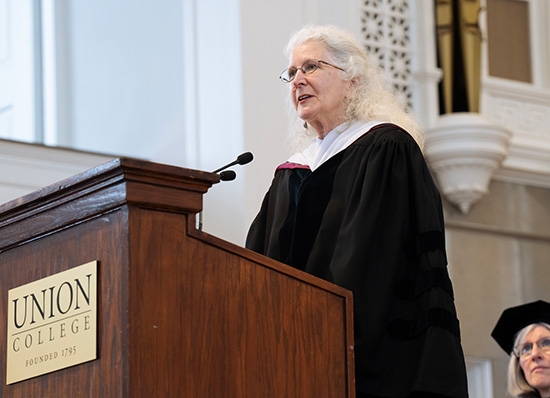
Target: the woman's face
(319, 97)
(536, 366)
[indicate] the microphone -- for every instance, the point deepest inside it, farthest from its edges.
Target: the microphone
(243, 158)
(228, 175)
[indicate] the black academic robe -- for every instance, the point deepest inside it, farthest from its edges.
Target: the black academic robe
(370, 219)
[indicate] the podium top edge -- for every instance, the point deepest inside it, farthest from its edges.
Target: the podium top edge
(122, 168)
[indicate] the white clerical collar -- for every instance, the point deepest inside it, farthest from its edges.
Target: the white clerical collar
(334, 142)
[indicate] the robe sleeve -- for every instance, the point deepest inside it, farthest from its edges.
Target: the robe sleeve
(390, 252)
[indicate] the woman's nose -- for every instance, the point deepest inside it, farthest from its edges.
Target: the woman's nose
(299, 78)
(536, 352)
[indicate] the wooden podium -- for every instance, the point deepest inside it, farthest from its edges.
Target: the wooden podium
(180, 313)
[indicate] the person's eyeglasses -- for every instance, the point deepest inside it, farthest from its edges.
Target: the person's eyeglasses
(526, 349)
(307, 68)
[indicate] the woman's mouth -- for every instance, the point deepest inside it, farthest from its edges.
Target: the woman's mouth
(538, 369)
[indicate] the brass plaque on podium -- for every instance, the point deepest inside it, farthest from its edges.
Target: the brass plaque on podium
(52, 323)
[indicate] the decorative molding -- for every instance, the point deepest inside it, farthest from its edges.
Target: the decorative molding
(386, 33)
(525, 110)
(464, 150)
(521, 108)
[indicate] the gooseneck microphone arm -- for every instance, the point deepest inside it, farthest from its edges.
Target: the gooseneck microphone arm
(228, 175)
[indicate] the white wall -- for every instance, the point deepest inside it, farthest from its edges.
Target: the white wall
(154, 80)
(18, 80)
(186, 82)
(125, 66)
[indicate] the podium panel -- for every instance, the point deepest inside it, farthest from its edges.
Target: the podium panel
(180, 313)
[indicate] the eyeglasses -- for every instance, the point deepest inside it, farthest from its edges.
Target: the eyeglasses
(526, 349)
(307, 68)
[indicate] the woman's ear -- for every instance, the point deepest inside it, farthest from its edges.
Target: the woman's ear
(353, 83)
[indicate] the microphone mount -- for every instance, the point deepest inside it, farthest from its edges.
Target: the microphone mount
(228, 175)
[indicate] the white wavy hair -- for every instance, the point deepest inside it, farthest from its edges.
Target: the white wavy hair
(371, 99)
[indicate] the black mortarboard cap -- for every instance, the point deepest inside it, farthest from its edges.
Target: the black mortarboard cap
(514, 319)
